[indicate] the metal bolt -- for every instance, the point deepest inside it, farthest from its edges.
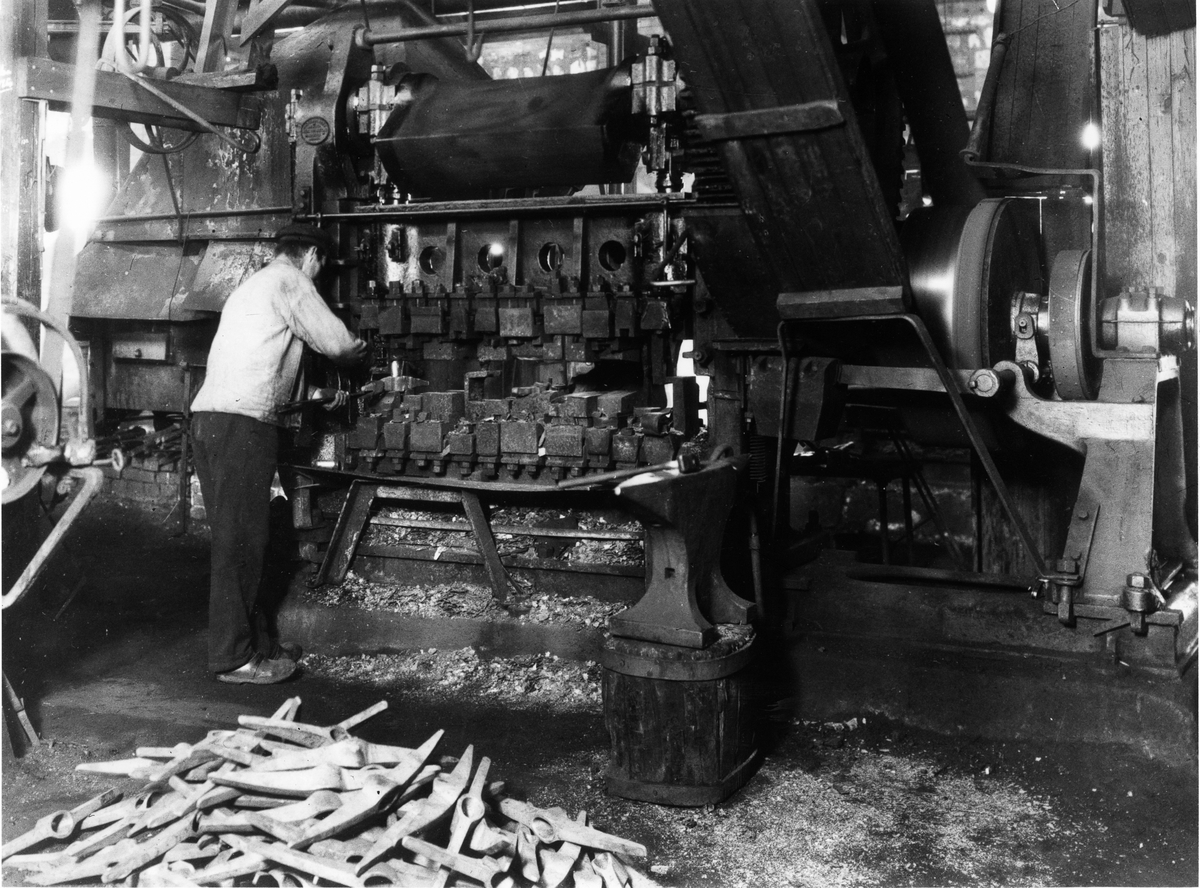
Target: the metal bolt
(1137, 581)
(1067, 566)
(1082, 514)
(12, 427)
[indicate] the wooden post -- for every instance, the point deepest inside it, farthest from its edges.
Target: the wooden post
(22, 32)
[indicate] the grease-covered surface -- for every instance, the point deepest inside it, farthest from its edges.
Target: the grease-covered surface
(861, 802)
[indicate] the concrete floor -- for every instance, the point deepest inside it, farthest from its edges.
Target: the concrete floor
(880, 803)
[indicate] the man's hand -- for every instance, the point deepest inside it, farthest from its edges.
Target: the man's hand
(336, 397)
(357, 353)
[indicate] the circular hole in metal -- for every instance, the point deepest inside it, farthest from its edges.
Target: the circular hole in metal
(550, 257)
(432, 259)
(612, 255)
(491, 257)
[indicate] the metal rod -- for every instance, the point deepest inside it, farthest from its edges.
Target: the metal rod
(906, 481)
(462, 209)
(555, 532)
(201, 214)
(185, 435)
(885, 552)
(365, 39)
(777, 480)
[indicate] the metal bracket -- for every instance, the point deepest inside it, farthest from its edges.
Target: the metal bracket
(1070, 570)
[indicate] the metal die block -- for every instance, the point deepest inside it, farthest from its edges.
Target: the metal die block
(368, 318)
(428, 319)
(653, 421)
(517, 436)
(445, 406)
(486, 319)
(518, 323)
(655, 316)
(578, 350)
(391, 320)
(493, 353)
(578, 406)
(413, 403)
(461, 443)
(625, 317)
(659, 448)
(426, 437)
(530, 351)
(601, 420)
(599, 441)
(627, 446)
(366, 433)
(487, 438)
(597, 319)
(563, 318)
(442, 351)
(395, 435)
(618, 403)
(461, 320)
(565, 440)
(552, 350)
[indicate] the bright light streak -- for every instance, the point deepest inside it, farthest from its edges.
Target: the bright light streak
(1090, 136)
(82, 196)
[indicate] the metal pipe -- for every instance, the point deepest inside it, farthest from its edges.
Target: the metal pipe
(365, 39)
(93, 478)
(120, 55)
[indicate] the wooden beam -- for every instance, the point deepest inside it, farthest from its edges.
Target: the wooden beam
(259, 18)
(801, 118)
(118, 99)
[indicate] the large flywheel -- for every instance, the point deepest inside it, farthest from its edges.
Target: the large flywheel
(970, 268)
(29, 423)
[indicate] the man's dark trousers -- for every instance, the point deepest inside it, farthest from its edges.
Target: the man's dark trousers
(235, 459)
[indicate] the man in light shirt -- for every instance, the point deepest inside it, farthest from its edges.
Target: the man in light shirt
(253, 368)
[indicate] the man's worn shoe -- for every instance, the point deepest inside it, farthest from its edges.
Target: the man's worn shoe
(289, 649)
(260, 671)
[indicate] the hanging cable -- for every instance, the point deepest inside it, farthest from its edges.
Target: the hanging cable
(549, 43)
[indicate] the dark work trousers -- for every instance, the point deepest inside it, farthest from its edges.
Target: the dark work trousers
(235, 459)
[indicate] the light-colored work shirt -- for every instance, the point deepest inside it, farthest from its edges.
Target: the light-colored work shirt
(255, 356)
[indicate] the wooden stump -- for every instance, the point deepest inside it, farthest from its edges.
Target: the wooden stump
(679, 720)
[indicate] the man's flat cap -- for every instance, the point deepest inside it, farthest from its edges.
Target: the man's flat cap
(306, 234)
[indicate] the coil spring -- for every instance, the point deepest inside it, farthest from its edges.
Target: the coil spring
(762, 456)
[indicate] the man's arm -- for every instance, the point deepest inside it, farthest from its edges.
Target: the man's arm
(311, 319)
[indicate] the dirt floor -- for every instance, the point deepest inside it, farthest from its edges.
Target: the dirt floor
(860, 802)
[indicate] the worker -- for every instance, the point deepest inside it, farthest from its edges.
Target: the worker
(253, 368)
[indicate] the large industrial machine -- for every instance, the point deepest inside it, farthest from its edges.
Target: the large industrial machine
(526, 307)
